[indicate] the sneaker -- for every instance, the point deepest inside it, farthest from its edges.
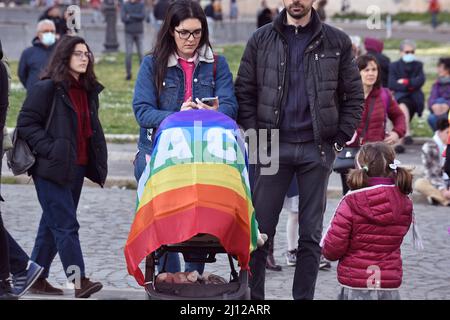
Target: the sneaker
(87, 287)
(42, 286)
(399, 148)
(6, 292)
(408, 140)
(324, 263)
(22, 282)
(291, 257)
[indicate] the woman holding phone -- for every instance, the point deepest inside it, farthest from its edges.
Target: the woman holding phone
(181, 70)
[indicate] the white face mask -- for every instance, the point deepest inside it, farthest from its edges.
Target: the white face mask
(408, 58)
(48, 38)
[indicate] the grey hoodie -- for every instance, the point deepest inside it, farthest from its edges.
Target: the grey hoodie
(133, 15)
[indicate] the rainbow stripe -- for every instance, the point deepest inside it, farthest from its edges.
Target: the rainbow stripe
(196, 182)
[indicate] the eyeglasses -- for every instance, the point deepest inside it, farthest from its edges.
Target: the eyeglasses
(408, 52)
(80, 54)
(185, 34)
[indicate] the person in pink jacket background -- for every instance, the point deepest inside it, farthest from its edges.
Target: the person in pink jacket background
(368, 227)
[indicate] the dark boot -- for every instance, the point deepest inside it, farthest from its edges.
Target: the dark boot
(87, 287)
(42, 286)
(270, 262)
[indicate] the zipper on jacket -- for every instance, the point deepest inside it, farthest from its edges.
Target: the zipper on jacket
(283, 79)
(314, 114)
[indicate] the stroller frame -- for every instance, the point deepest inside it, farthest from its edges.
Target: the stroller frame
(208, 245)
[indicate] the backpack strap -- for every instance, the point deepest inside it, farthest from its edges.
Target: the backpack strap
(386, 97)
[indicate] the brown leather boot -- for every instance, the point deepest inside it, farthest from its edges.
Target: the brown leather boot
(42, 286)
(87, 287)
(270, 262)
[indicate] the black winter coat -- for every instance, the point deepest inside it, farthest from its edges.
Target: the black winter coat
(4, 102)
(333, 82)
(414, 73)
(55, 149)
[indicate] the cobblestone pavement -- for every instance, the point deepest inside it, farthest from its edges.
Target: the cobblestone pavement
(105, 216)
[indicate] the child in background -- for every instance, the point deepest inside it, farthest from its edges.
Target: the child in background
(369, 225)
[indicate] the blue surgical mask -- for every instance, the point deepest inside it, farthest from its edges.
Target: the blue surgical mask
(408, 58)
(48, 39)
(444, 80)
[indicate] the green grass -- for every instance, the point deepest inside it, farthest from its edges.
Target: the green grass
(116, 111)
(400, 17)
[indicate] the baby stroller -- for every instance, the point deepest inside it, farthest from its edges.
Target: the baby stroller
(204, 201)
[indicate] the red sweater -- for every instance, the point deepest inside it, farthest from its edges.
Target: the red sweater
(79, 99)
(367, 230)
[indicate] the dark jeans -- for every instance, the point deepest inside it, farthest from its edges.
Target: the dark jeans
(312, 172)
(131, 38)
(18, 259)
(4, 252)
(173, 260)
(433, 120)
(58, 228)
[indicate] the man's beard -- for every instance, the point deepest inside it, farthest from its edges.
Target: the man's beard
(298, 15)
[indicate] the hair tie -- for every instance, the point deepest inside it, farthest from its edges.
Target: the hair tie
(365, 168)
(395, 165)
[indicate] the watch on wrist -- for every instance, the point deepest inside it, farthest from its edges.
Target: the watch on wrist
(337, 147)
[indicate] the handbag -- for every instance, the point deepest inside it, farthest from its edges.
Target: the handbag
(20, 157)
(345, 159)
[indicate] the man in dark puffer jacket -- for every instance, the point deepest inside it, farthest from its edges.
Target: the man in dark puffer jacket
(298, 75)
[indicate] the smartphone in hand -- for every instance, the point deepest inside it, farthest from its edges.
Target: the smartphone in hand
(210, 101)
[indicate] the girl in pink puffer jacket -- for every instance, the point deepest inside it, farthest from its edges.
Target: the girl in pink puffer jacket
(369, 225)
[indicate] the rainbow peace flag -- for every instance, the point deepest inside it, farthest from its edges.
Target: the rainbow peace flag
(196, 182)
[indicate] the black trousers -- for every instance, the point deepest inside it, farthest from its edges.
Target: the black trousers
(4, 252)
(312, 170)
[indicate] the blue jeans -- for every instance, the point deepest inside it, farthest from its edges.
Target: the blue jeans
(173, 260)
(58, 228)
(4, 255)
(18, 259)
(433, 120)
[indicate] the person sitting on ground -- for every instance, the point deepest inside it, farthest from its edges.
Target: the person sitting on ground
(406, 78)
(434, 185)
(368, 227)
(439, 100)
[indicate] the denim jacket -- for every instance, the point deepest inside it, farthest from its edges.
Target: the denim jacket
(151, 111)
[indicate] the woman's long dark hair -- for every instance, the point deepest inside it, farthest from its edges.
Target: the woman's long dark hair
(177, 11)
(58, 68)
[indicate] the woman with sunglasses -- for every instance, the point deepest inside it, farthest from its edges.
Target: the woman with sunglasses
(59, 121)
(181, 70)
